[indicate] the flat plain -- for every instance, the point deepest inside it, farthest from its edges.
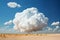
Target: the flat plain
(29, 36)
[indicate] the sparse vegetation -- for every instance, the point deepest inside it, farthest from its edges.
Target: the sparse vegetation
(29, 36)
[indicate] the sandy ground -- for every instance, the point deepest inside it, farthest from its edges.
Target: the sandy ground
(29, 36)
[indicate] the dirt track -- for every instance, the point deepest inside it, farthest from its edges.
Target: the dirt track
(29, 36)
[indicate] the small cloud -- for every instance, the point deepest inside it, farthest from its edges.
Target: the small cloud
(56, 29)
(49, 29)
(55, 23)
(8, 22)
(13, 5)
(29, 20)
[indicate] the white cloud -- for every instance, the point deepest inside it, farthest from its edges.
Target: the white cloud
(55, 23)
(29, 20)
(8, 22)
(56, 29)
(6, 30)
(49, 29)
(13, 5)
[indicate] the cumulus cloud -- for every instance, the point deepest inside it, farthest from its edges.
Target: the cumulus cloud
(56, 29)
(55, 23)
(29, 20)
(8, 22)
(13, 5)
(49, 29)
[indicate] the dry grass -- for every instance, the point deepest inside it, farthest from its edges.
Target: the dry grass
(29, 36)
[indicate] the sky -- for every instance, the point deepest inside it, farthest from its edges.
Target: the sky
(50, 8)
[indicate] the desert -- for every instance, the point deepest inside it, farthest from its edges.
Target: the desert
(29, 36)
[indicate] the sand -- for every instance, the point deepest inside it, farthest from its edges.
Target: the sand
(29, 36)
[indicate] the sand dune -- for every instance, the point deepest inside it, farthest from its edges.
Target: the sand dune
(29, 36)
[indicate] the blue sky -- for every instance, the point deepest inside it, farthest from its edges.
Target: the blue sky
(50, 8)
